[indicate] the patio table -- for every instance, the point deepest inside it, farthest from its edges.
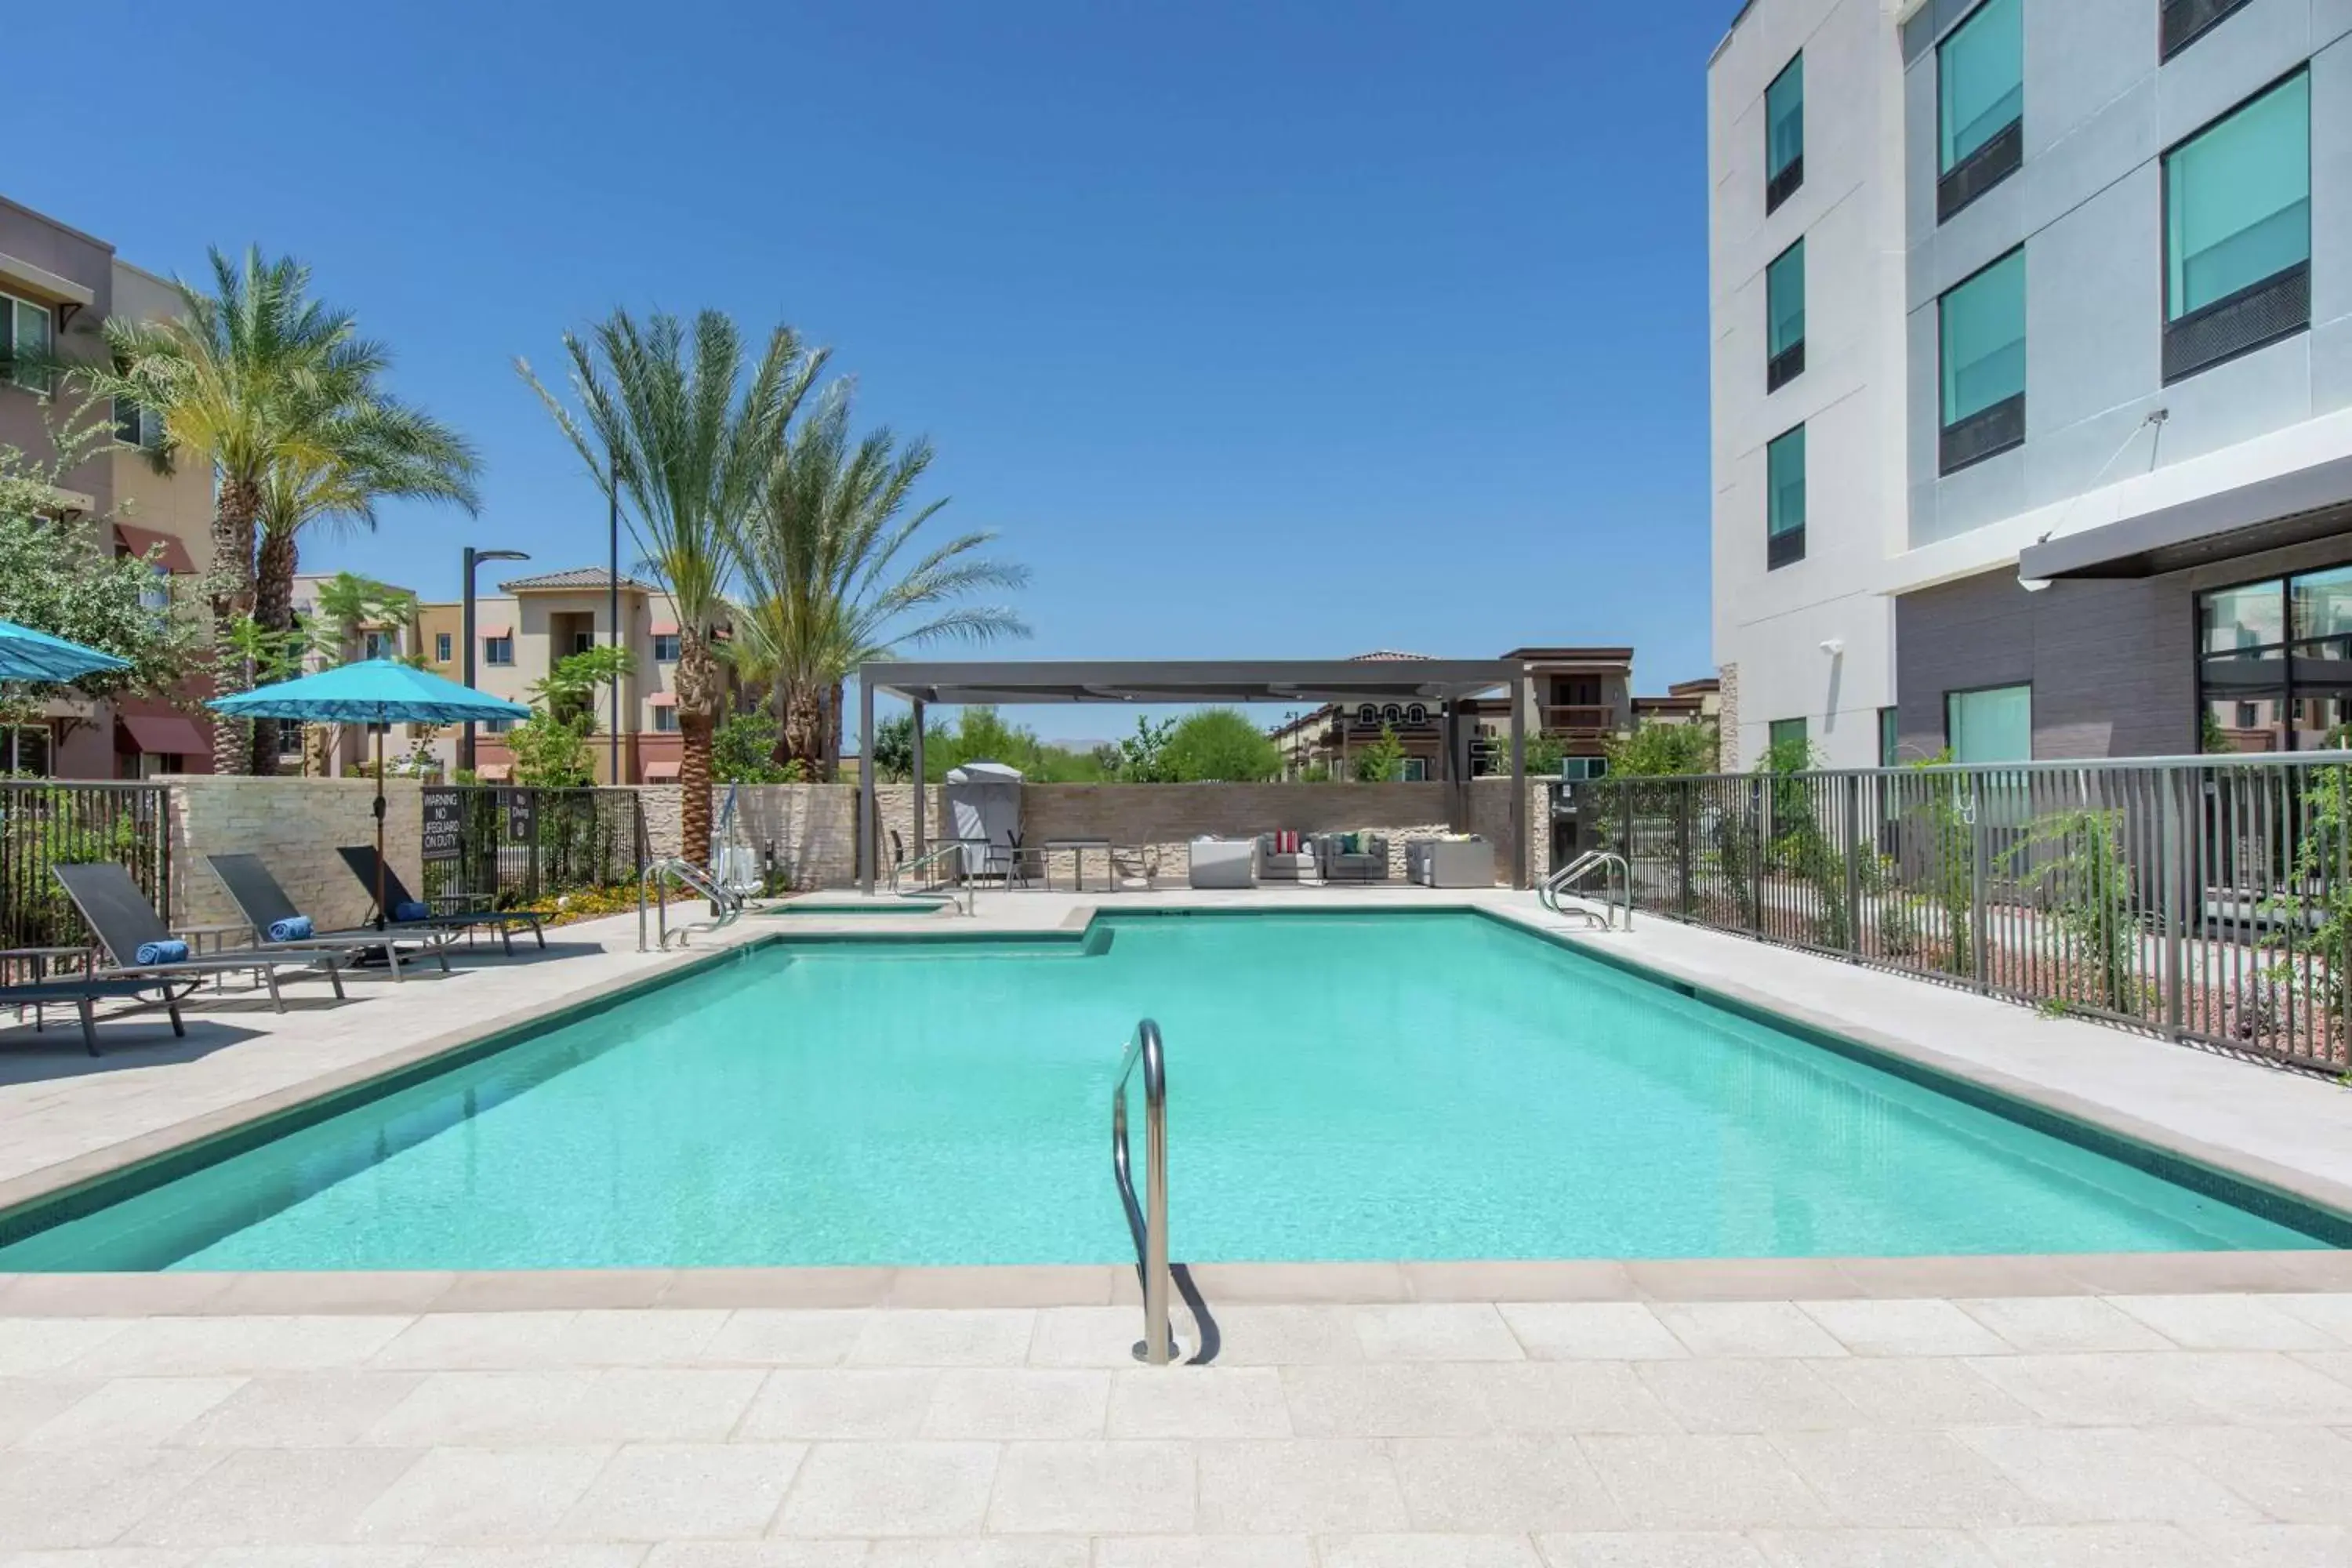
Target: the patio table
(1077, 848)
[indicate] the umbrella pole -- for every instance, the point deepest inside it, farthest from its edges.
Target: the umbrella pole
(380, 912)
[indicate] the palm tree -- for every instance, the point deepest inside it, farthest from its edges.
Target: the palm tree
(683, 438)
(374, 451)
(243, 376)
(827, 589)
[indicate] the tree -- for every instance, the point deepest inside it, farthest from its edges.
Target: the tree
(347, 606)
(373, 450)
(1658, 751)
(569, 690)
(743, 751)
(1143, 756)
(550, 753)
(893, 761)
(1221, 746)
(245, 377)
(831, 577)
(682, 439)
(1382, 761)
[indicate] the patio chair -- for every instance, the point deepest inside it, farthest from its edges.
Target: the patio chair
(263, 903)
(124, 922)
(1352, 857)
(85, 991)
(363, 860)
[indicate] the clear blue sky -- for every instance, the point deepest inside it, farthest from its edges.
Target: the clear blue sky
(1264, 329)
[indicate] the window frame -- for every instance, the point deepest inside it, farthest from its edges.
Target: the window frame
(1784, 365)
(1778, 185)
(673, 639)
(2288, 691)
(1890, 736)
(2002, 424)
(1777, 553)
(491, 650)
(1992, 162)
(2169, 326)
(665, 719)
(1952, 691)
(2169, 48)
(444, 644)
(9, 302)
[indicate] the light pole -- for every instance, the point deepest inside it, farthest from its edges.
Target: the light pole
(475, 558)
(613, 604)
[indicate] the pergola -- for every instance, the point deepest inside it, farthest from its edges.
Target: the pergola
(1446, 682)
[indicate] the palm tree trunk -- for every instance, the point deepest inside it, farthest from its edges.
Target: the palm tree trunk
(698, 709)
(273, 609)
(803, 737)
(831, 770)
(231, 593)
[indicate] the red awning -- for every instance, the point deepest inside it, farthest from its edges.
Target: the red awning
(140, 541)
(495, 772)
(658, 771)
(165, 735)
(664, 699)
(487, 633)
(664, 628)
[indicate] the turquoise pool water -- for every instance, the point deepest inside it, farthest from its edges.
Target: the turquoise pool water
(1384, 1086)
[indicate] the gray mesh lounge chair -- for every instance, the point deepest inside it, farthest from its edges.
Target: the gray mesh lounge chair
(124, 922)
(84, 992)
(361, 859)
(263, 903)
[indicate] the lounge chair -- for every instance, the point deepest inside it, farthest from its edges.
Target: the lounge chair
(125, 921)
(361, 859)
(85, 991)
(263, 903)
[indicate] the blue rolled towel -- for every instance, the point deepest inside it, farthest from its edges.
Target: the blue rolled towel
(293, 928)
(411, 910)
(171, 951)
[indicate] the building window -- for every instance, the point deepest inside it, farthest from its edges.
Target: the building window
(2274, 663)
(499, 650)
(156, 593)
(137, 425)
(666, 647)
(1979, 104)
(665, 721)
(26, 328)
(1992, 725)
(1784, 311)
(2237, 232)
(1983, 348)
(376, 645)
(1416, 770)
(1784, 135)
(441, 647)
(496, 726)
(1788, 746)
(289, 737)
(582, 641)
(1890, 737)
(1784, 484)
(2186, 21)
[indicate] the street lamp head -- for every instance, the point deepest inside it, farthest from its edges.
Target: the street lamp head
(501, 554)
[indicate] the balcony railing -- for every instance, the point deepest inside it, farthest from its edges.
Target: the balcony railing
(1578, 717)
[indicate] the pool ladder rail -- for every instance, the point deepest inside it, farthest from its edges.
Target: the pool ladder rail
(1616, 889)
(960, 875)
(1148, 1223)
(726, 903)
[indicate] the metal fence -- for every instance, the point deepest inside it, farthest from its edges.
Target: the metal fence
(2208, 898)
(498, 847)
(43, 823)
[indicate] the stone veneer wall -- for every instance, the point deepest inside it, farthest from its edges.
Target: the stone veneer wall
(296, 825)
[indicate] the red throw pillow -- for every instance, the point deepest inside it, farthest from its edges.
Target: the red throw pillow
(1287, 842)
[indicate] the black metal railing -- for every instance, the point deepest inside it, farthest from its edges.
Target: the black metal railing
(498, 847)
(1987, 433)
(1982, 170)
(2253, 318)
(2208, 899)
(44, 824)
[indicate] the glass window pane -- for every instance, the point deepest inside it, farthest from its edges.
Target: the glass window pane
(1890, 739)
(2232, 618)
(1995, 726)
(1984, 339)
(1784, 463)
(1784, 118)
(2321, 603)
(1981, 78)
(1784, 293)
(2243, 722)
(32, 327)
(2238, 200)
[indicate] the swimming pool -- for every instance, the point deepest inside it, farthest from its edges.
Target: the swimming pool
(1433, 1086)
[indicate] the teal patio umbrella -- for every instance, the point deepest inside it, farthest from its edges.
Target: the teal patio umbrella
(28, 656)
(380, 691)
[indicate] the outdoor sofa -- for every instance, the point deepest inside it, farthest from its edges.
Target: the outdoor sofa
(1285, 857)
(1352, 857)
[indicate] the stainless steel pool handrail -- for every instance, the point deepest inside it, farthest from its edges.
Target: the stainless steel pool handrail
(1147, 1223)
(961, 876)
(726, 904)
(1616, 888)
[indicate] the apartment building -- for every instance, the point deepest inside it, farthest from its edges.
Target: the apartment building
(57, 286)
(2031, 382)
(339, 751)
(530, 623)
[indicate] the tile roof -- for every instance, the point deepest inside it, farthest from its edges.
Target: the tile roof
(578, 577)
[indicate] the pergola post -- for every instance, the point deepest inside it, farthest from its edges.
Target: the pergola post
(922, 789)
(1519, 790)
(869, 825)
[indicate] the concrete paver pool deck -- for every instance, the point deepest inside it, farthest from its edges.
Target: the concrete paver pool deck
(2145, 1409)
